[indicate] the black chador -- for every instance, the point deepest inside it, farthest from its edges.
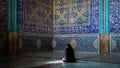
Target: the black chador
(69, 54)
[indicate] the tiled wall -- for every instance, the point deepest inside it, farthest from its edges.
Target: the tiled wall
(76, 16)
(82, 43)
(115, 43)
(35, 16)
(78, 20)
(114, 21)
(3, 25)
(34, 43)
(114, 16)
(66, 21)
(35, 25)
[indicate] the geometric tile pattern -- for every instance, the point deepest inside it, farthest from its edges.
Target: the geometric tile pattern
(3, 15)
(83, 43)
(3, 25)
(35, 22)
(114, 24)
(114, 16)
(3, 41)
(68, 12)
(115, 44)
(33, 43)
(71, 12)
(35, 16)
(70, 17)
(81, 17)
(76, 16)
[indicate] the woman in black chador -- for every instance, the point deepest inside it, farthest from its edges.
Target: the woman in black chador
(69, 54)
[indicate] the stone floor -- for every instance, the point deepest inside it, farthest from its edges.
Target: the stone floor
(53, 60)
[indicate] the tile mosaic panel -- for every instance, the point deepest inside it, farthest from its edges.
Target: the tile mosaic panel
(76, 16)
(35, 16)
(70, 12)
(3, 42)
(114, 16)
(115, 43)
(33, 43)
(82, 43)
(3, 15)
(3, 25)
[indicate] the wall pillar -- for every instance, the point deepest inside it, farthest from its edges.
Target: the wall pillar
(12, 27)
(104, 27)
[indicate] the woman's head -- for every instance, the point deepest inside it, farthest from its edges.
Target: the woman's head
(68, 46)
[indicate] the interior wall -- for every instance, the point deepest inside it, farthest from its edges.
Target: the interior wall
(114, 24)
(3, 25)
(76, 22)
(35, 25)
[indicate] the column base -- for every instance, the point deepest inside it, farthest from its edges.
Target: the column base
(104, 44)
(12, 38)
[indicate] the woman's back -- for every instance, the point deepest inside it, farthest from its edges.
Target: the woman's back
(70, 57)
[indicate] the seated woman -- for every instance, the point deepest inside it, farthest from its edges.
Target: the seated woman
(69, 54)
